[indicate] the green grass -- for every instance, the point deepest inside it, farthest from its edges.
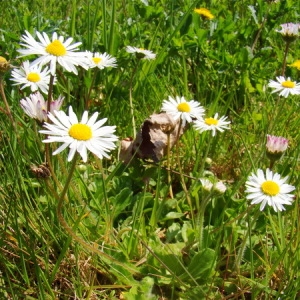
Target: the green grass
(126, 237)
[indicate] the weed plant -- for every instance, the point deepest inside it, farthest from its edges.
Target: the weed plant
(152, 229)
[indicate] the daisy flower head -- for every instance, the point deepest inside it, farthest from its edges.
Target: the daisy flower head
(32, 76)
(213, 123)
(35, 106)
(80, 136)
(284, 86)
(207, 185)
(219, 187)
(204, 12)
(276, 146)
(100, 60)
(178, 107)
(289, 31)
(269, 189)
(141, 53)
(54, 51)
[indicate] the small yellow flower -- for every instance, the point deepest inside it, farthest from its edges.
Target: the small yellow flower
(204, 12)
(4, 65)
(296, 64)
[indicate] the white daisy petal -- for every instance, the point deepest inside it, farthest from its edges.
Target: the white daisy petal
(213, 123)
(178, 107)
(141, 53)
(269, 188)
(285, 86)
(53, 51)
(80, 136)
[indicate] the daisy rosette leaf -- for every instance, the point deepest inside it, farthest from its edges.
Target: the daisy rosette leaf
(32, 76)
(88, 134)
(35, 106)
(289, 31)
(100, 60)
(213, 124)
(53, 52)
(179, 107)
(204, 12)
(141, 53)
(269, 189)
(284, 86)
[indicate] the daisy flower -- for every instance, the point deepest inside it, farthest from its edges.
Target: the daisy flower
(204, 12)
(54, 51)
(206, 184)
(88, 134)
(220, 187)
(212, 123)
(141, 53)
(289, 31)
(31, 76)
(275, 147)
(284, 86)
(269, 189)
(35, 106)
(276, 144)
(100, 61)
(185, 110)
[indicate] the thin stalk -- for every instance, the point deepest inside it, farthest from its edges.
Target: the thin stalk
(47, 145)
(130, 99)
(242, 249)
(2, 93)
(203, 205)
(287, 45)
(69, 230)
(169, 166)
(86, 104)
(181, 173)
(153, 218)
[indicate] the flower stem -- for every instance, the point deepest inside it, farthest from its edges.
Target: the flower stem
(130, 99)
(2, 93)
(47, 146)
(169, 166)
(182, 175)
(287, 45)
(69, 230)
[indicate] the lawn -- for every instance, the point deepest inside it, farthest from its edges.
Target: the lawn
(149, 149)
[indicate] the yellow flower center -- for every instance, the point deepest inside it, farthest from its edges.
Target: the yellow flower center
(270, 188)
(80, 132)
(288, 84)
(56, 48)
(33, 77)
(211, 121)
(184, 107)
(97, 60)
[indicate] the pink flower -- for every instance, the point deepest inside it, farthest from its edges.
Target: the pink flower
(35, 106)
(276, 144)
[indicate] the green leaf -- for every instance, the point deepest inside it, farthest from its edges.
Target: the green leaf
(201, 265)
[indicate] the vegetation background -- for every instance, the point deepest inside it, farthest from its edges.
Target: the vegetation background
(140, 243)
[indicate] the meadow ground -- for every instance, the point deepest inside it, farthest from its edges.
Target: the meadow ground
(106, 198)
